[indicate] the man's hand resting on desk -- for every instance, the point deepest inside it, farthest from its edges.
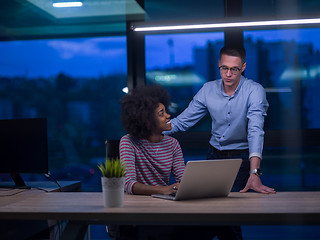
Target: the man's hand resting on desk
(254, 183)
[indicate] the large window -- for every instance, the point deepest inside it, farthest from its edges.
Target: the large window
(76, 84)
(182, 63)
(287, 63)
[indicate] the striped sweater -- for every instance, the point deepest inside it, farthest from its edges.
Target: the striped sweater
(150, 163)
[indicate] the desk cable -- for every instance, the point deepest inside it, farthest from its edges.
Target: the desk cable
(48, 175)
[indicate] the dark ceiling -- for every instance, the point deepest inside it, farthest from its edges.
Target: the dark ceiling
(32, 19)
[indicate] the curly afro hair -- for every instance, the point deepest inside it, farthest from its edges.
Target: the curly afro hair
(138, 107)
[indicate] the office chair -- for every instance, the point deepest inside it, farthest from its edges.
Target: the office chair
(112, 148)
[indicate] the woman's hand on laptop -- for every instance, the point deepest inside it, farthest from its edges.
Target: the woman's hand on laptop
(143, 189)
(172, 188)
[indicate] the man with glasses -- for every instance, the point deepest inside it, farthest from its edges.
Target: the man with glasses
(237, 107)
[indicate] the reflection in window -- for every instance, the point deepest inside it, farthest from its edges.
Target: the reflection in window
(287, 64)
(183, 63)
(76, 84)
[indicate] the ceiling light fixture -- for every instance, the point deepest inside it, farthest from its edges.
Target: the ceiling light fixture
(67, 4)
(228, 25)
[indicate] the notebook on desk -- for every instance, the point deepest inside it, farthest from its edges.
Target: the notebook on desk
(205, 179)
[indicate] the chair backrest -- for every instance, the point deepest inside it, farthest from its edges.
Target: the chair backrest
(112, 148)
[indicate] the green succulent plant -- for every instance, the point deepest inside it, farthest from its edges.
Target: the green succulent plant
(112, 168)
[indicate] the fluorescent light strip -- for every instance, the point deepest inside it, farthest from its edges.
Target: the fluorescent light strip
(228, 25)
(67, 4)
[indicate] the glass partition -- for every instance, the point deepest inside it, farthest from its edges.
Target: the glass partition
(76, 84)
(182, 63)
(287, 63)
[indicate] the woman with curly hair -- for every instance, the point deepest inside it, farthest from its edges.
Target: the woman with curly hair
(149, 155)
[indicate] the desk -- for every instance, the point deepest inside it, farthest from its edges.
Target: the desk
(84, 208)
(21, 229)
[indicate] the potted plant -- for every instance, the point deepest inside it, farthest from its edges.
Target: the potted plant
(112, 181)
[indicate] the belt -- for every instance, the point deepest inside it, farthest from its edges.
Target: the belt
(236, 151)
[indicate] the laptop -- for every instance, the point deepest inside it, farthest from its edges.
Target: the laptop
(206, 179)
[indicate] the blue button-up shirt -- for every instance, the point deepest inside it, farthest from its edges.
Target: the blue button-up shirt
(237, 121)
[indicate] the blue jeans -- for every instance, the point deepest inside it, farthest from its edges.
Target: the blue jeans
(233, 232)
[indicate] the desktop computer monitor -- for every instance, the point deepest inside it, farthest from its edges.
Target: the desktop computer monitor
(23, 147)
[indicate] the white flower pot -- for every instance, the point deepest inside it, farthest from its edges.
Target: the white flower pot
(112, 191)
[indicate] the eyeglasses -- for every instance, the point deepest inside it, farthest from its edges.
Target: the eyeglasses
(233, 70)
